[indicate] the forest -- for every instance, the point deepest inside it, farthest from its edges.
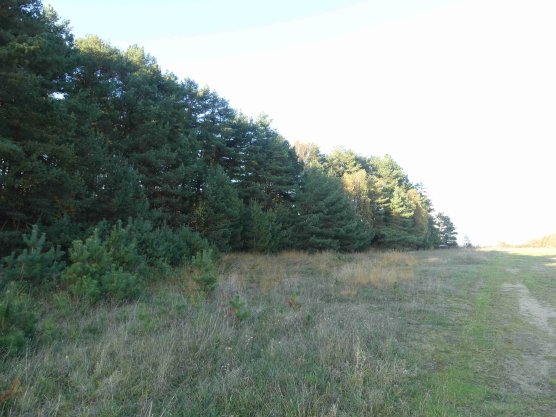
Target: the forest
(113, 172)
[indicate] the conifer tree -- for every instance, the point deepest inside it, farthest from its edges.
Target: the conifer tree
(90, 133)
(260, 229)
(217, 214)
(323, 218)
(38, 180)
(447, 235)
(271, 171)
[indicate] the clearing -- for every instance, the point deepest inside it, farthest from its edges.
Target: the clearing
(429, 333)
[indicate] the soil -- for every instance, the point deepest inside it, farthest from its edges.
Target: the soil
(536, 367)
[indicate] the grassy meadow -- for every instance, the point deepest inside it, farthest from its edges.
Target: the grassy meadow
(429, 333)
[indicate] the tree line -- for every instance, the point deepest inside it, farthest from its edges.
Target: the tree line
(91, 134)
(109, 167)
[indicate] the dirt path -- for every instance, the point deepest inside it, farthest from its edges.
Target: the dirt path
(533, 372)
(533, 311)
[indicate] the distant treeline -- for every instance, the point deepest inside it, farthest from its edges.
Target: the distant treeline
(548, 241)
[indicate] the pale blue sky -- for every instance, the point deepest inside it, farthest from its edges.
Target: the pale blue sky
(461, 92)
(142, 20)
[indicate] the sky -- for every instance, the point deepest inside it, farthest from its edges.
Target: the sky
(462, 93)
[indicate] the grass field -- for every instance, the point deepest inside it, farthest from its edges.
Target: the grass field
(429, 333)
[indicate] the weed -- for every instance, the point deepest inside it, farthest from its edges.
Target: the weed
(18, 318)
(204, 271)
(238, 308)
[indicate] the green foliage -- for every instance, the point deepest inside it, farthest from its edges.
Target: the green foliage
(102, 135)
(397, 211)
(340, 162)
(217, 215)
(122, 247)
(120, 285)
(271, 171)
(204, 271)
(309, 154)
(38, 173)
(35, 264)
(102, 269)
(17, 318)
(90, 261)
(447, 235)
(259, 229)
(239, 309)
(163, 245)
(322, 217)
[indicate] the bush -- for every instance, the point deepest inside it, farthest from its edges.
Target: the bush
(238, 307)
(17, 319)
(34, 264)
(165, 246)
(204, 270)
(108, 268)
(121, 244)
(121, 285)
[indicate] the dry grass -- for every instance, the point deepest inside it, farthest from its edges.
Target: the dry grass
(303, 348)
(264, 272)
(380, 270)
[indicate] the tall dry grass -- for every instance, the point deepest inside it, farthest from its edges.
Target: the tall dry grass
(302, 348)
(378, 269)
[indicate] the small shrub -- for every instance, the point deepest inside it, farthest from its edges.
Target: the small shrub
(17, 318)
(239, 309)
(121, 285)
(104, 269)
(34, 264)
(293, 301)
(89, 262)
(122, 246)
(204, 270)
(165, 246)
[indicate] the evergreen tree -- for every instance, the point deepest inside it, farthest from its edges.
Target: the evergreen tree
(260, 229)
(38, 180)
(271, 171)
(217, 215)
(90, 133)
(323, 217)
(142, 114)
(341, 161)
(309, 154)
(447, 235)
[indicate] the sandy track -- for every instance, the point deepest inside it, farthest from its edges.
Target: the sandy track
(533, 311)
(536, 366)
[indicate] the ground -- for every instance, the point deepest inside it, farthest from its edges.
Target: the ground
(428, 333)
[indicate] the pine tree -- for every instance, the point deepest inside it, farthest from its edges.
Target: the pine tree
(323, 218)
(447, 235)
(38, 178)
(217, 215)
(271, 172)
(341, 161)
(143, 116)
(260, 229)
